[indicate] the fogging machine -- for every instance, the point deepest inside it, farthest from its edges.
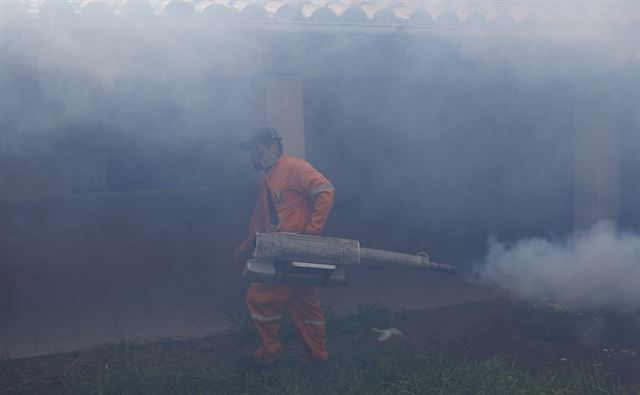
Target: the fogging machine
(293, 258)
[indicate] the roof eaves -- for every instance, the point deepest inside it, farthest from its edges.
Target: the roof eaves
(478, 14)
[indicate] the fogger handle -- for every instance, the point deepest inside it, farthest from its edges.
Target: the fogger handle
(370, 256)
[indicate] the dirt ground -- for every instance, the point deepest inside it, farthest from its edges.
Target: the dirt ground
(533, 337)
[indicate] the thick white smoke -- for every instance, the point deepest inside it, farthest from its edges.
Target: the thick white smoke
(596, 268)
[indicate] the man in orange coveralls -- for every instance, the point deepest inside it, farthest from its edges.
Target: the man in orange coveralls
(294, 197)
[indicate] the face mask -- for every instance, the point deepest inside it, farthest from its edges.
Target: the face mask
(263, 158)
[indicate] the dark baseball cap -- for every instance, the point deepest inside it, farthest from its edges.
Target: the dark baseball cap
(264, 135)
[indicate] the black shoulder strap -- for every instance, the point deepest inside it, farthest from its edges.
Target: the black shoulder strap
(275, 221)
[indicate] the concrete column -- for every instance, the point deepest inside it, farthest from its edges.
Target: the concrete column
(285, 110)
(597, 158)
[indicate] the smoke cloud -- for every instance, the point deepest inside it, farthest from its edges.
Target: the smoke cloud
(434, 137)
(596, 268)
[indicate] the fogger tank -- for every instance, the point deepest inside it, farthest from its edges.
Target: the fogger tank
(294, 258)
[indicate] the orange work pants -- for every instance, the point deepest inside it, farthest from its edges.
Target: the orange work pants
(266, 303)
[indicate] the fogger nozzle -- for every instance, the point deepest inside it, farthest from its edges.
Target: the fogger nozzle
(283, 246)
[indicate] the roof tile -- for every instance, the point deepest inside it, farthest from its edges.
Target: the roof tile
(421, 17)
(477, 20)
(354, 14)
(386, 16)
(254, 12)
(97, 9)
(324, 15)
(135, 9)
(55, 9)
(176, 9)
(533, 14)
(219, 11)
(288, 12)
(448, 18)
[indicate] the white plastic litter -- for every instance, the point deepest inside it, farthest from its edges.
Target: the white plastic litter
(385, 334)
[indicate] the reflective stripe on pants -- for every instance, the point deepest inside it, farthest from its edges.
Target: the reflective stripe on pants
(259, 317)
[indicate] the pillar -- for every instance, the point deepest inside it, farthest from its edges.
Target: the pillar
(285, 110)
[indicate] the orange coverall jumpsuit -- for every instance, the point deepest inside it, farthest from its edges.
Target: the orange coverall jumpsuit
(303, 198)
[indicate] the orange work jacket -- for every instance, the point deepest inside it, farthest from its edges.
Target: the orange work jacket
(302, 197)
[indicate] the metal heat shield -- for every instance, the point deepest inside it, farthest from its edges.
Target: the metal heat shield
(302, 273)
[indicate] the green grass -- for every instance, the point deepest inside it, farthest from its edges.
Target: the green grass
(358, 366)
(380, 371)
